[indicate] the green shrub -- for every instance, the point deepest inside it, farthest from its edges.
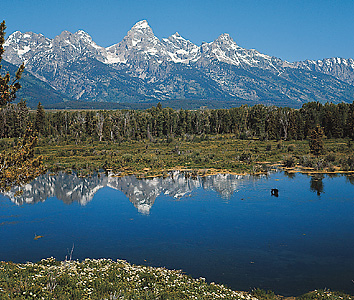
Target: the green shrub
(264, 295)
(324, 295)
(306, 161)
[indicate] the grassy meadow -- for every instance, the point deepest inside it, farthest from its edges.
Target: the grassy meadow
(199, 155)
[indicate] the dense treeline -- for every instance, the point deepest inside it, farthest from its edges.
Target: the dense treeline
(259, 121)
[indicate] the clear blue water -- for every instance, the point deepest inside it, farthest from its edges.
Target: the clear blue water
(228, 229)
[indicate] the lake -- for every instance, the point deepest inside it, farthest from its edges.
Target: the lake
(226, 228)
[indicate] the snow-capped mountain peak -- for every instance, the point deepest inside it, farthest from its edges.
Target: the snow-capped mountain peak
(140, 32)
(72, 46)
(224, 49)
(84, 36)
(176, 35)
(13, 38)
(226, 38)
(87, 39)
(139, 45)
(179, 49)
(21, 47)
(78, 40)
(143, 24)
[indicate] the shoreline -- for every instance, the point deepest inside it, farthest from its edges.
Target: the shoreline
(118, 279)
(150, 173)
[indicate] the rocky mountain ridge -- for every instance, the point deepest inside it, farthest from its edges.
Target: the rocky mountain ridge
(143, 68)
(340, 68)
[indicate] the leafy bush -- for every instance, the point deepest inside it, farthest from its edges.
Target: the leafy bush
(306, 161)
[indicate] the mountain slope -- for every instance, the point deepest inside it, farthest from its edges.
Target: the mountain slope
(35, 90)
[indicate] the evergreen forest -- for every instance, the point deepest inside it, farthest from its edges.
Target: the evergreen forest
(152, 142)
(244, 122)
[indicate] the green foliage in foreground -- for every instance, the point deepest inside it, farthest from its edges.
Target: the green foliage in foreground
(108, 279)
(314, 295)
(325, 295)
(103, 279)
(265, 295)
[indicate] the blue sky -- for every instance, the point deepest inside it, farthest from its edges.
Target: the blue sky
(289, 29)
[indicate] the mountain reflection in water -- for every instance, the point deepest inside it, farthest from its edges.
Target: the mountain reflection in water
(142, 193)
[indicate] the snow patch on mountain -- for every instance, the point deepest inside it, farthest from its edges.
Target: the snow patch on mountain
(179, 49)
(137, 47)
(143, 24)
(340, 68)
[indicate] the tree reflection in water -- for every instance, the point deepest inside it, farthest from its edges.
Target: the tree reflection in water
(316, 183)
(350, 178)
(290, 175)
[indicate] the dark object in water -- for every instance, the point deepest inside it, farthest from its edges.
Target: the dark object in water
(274, 192)
(36, 237)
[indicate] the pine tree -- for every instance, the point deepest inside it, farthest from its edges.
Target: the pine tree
(350, 121)
(18, 165)
(316, 141)
(23, 115)
(40, 117)
(272, 125)
(107, 129)
(8, 87)
(89, 123)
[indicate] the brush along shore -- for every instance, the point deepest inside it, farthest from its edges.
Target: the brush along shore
(211, 155)
(104, 279)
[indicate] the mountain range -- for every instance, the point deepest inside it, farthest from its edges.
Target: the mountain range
(72, 69)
